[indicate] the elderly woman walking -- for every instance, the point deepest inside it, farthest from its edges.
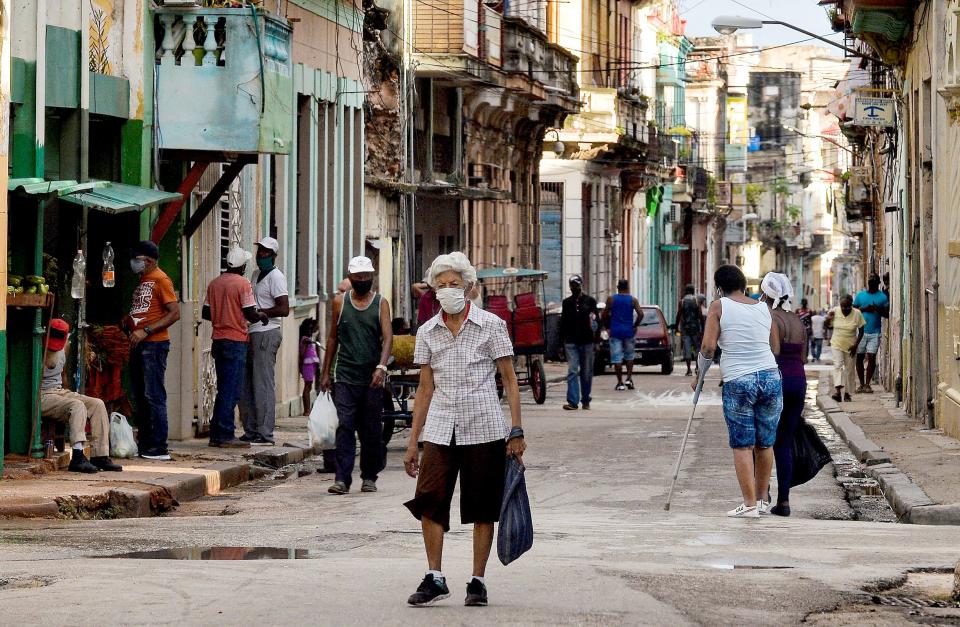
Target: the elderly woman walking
(752, 394)
(457, 411)
(791, 351)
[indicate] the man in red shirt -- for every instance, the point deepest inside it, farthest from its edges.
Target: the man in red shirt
(230, 305)
(154, 310)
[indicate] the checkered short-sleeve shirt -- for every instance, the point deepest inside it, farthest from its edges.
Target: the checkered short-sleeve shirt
(465, 400)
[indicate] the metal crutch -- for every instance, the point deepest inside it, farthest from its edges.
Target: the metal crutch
(703, 364)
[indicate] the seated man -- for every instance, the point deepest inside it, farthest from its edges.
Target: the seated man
(61, 404)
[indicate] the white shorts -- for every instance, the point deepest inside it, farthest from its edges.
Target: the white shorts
(870, 344)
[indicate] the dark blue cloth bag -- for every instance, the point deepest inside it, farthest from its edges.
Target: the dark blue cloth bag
(515, 533)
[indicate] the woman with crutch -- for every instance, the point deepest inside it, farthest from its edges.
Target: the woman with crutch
(752, 392)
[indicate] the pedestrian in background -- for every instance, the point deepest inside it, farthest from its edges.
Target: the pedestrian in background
(818, 333)
(752, 390)
(355, 368)
(806, 318)
(847, 324)
(258, 400)
(153, 311)
(578, 329)
(231, 307)
(874, 305)
(789, 344)
(309, 361)
(690, 326)
(622, 316)
(460, 418)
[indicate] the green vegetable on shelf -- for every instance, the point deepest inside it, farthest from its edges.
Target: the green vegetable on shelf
(14, 280)
(33, 279)
(43, 289)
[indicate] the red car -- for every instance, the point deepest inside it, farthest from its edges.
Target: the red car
(651, 343)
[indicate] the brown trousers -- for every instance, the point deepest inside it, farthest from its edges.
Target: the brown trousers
(75, 409)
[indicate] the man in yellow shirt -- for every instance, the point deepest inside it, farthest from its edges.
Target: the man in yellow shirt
(847, 324)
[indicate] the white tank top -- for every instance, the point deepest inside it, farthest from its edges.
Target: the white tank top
(744, 339)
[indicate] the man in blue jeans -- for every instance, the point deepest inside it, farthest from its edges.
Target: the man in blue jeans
(154, 309)
(230, 305)
(578, 327)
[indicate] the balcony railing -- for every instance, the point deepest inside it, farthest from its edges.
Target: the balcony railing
(224, 80)
(527, 51)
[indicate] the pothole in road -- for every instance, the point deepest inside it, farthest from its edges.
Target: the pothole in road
(19, 583)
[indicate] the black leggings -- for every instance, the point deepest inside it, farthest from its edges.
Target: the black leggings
(794, 390)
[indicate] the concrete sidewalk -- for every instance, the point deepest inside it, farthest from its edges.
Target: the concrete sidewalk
(41, 489)
(917, 468)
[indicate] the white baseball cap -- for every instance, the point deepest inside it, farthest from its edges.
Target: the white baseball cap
(237, 257)
(360, 264)
(270, 243)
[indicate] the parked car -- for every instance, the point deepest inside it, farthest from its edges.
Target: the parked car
(651, 342)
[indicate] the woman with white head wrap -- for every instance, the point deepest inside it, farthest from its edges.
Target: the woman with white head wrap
(790, 347)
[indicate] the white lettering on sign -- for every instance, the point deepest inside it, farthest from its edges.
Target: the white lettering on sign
(874, 112)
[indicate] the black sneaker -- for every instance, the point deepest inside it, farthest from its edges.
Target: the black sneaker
(630, 384)
(248, 438)
(476, 594)
(586, 406)
(262, 441)
(80, 463)
(430, 591)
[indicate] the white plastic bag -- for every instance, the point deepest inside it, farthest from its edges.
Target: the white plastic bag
(122, 443)
(323, 422)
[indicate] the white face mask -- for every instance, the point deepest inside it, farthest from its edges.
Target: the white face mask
(452, 299)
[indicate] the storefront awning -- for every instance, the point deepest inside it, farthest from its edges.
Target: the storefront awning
(102, 195)
(119, 198)
(40, 187)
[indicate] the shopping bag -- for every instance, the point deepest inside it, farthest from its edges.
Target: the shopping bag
(122, 442)
(323, 422)
(515, 531)
(809, 454)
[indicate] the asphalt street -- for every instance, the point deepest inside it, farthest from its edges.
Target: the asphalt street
(605, 551)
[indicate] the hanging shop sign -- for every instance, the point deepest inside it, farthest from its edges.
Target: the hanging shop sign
(874, 111)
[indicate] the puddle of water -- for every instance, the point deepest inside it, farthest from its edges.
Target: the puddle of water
(218, 553)
(747, 567)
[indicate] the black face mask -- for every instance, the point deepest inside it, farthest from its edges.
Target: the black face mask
(576, 290)
(361, 288)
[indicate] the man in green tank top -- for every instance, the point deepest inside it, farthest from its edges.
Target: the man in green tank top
(355, 368)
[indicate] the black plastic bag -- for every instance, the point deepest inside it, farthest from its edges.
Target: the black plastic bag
(515, 532)
(809, 454)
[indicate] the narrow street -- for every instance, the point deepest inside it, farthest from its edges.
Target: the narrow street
(605, 552)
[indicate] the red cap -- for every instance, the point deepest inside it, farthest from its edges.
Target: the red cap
(59, 332)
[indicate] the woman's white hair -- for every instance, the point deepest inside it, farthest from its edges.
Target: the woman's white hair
(452, 262)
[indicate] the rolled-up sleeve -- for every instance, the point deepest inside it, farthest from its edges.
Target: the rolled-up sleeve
(499, 344)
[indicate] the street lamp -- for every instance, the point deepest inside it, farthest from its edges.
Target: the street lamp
(558, 146)
(729, 24)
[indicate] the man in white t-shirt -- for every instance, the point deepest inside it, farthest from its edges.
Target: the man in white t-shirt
(258, 400)
(818, 334)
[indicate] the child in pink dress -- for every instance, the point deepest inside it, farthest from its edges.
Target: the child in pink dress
(309, 361)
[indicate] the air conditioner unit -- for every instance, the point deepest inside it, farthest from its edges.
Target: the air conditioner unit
(675, 212)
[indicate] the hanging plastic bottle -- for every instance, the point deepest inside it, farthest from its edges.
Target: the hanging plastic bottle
(109, 278)
(78, 287)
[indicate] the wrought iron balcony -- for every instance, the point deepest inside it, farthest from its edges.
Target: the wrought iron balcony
(224, 80)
